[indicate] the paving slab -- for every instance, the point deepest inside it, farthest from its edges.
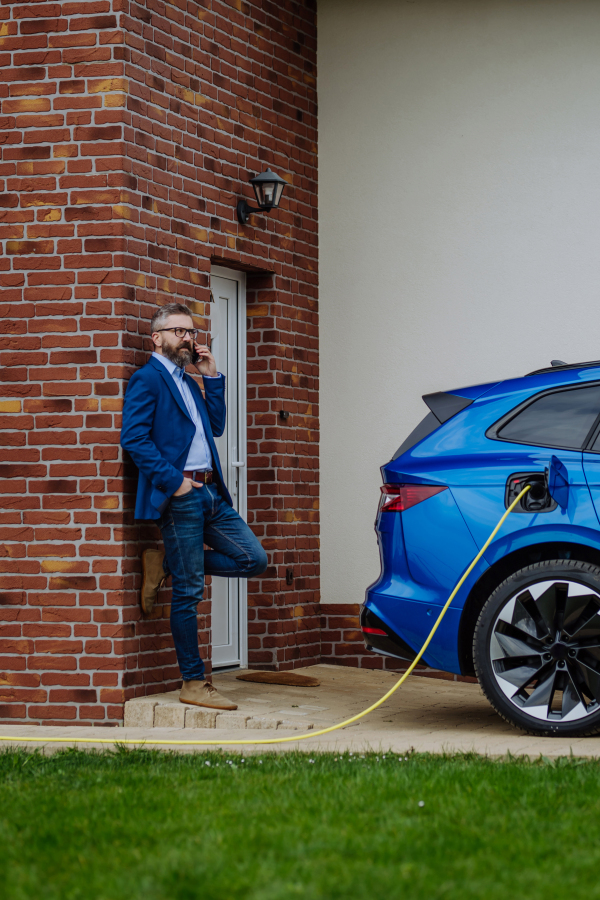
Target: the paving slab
(425, 715)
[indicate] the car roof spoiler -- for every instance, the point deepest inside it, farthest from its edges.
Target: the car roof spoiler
(444, 405)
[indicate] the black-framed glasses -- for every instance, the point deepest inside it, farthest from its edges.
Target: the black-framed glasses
(181, 332)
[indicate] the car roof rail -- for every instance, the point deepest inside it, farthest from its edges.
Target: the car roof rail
(558, 364)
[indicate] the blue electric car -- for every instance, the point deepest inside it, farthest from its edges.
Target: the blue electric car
(527, 620)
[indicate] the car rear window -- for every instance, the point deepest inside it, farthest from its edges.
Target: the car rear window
(562, 419)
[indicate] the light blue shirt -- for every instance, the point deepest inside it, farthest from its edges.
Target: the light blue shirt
(199, 457)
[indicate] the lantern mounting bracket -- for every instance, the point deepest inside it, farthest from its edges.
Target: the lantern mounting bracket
(244, 210)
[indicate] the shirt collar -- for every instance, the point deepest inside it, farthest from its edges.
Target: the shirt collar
(170, 366)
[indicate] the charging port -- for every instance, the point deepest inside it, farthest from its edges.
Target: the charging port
(536, 500)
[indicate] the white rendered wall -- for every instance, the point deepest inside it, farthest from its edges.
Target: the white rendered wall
(459, 206)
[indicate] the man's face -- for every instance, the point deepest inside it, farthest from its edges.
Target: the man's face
(178, 350)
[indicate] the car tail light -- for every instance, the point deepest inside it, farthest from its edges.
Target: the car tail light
(399, 497)
(374, 631)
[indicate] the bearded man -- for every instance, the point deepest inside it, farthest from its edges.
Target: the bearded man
(169, 430)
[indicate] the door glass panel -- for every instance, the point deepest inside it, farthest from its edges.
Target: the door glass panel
(562, 419)
(225, 591)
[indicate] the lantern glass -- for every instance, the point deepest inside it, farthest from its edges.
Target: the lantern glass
(259, 191)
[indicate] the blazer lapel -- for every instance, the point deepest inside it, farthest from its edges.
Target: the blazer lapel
(168, 378)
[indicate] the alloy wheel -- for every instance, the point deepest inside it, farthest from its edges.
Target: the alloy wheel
(545, 650)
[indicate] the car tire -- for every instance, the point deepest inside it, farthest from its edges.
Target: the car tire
(536, 648)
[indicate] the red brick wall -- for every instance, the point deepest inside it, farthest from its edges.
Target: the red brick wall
(128, 132)
(283, 494)
(61, 271)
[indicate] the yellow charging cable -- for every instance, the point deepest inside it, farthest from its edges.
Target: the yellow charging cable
(311, 734)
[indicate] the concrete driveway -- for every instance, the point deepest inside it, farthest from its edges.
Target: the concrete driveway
(426, 715)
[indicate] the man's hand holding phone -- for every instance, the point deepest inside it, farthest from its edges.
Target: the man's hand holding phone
(204, 361)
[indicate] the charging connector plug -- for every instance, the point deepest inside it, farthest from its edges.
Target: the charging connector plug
(536, 500)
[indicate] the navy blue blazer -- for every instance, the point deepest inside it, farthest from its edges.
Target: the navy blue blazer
(157, 433)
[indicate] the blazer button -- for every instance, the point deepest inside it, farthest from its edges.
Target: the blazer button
(161, 488)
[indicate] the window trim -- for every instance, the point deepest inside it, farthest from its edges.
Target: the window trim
(492, 431)
(591, 438)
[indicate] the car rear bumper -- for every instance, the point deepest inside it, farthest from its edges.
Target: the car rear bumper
(406, 624)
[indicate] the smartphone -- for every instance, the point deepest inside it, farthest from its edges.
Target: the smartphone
(195, 354)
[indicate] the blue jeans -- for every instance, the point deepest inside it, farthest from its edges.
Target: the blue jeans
(190, 521)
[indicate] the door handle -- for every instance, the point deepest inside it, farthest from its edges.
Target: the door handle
(238, 465)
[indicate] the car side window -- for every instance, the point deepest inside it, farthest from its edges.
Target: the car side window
(562, 419)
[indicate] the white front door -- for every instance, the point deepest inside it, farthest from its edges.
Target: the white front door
(228, 319)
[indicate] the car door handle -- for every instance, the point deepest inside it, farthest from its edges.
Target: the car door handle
(238, 465)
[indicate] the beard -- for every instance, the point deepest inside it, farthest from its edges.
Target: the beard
(181, 356)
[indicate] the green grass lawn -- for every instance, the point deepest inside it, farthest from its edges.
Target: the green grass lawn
(160, 826)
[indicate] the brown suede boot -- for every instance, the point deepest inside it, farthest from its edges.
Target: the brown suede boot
(153, 578)
(203, 693)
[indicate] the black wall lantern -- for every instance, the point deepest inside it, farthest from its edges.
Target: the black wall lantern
(268, 189)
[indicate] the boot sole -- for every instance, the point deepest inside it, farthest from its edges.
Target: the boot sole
(207, 706)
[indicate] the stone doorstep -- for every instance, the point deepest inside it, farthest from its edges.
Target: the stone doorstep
(168, 712)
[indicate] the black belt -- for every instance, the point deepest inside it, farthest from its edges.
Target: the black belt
(205, 477)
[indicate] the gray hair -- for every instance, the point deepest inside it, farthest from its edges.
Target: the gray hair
(162, 314)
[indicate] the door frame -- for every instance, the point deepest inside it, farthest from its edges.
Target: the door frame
(242, 450)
